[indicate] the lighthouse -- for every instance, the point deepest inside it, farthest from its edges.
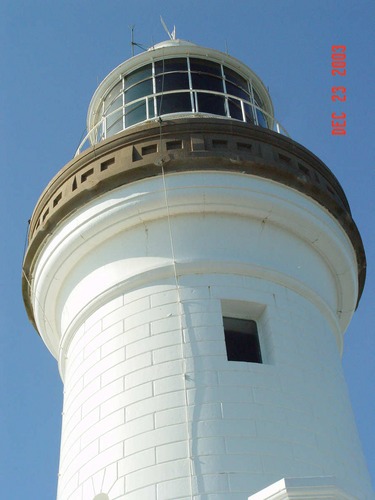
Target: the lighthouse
(193, 270)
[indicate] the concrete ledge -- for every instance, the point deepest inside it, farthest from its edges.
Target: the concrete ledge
(312, 488)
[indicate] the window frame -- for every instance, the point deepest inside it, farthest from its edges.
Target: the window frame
(235, 105)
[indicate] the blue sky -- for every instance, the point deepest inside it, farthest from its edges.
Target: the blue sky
(54, 54)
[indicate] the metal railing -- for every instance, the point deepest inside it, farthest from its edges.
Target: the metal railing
(100, 131)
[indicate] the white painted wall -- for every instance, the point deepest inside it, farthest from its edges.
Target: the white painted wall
(131, 305)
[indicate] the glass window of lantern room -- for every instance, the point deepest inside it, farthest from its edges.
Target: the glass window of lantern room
(141, 89)
(135, 113)
(114, 122)
(115, 105)
(114, 95)
(138, 75)
(172, 81)
(204, 66)
(207, 82)
(235, 108)
(173, 103)
(261, 117)
(242, 340)
(170, 65)
(236, 79)
(236, 85)
(249, 113)
(211, 103)
(237, 91)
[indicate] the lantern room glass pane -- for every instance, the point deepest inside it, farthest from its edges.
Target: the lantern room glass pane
(172, 81)
(261, 119)
(173, 103)
(167, 65)
(138, 75)
(233, 77)
(114, 93)
(249, 114)
(235, 109)
(237, 91)
(151, 107)
(142, 89)
(207, 82)
(204, 66)
(135, 113)
(114, 123)
(211, 103)
(258, 100)
(116, 104)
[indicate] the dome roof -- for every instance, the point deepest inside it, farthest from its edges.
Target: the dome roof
(171, 43)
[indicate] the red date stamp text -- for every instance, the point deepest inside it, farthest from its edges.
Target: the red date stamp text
(338, 70)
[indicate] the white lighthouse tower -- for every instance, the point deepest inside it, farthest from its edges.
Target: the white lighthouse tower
(193, 272)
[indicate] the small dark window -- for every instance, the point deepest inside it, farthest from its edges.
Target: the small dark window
(219, 144)
(242, 340)
(174, 145)
(135, 154)
(105, 164)
(284, 158)
(304, 169)
(57, 200)
(87, 174)
(243, 146)
(45, 214)
(148, 150)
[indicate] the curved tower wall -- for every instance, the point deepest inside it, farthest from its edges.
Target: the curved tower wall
(152, 406)
(137, 253)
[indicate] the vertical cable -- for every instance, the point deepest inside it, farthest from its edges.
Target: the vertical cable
(181, 312)
(178, 291)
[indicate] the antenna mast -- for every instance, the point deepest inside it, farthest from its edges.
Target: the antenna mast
(133, 43)
(132, 38)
